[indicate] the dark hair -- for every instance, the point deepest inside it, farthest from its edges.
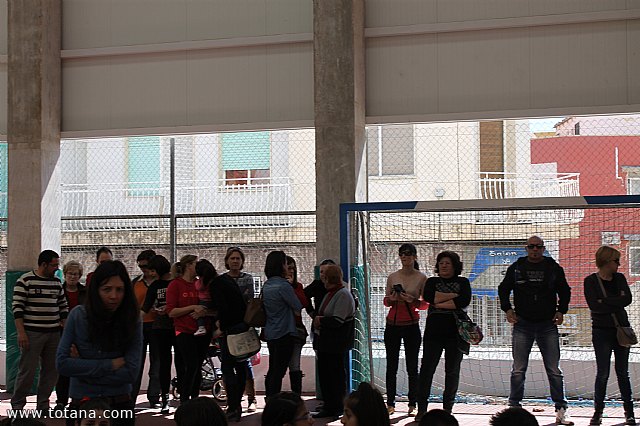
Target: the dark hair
(274, 265)
(200, 411)
(145, 255)
(327, 262)
(414, 252)
(230, 251)
(160, 264)
(8, 421)
(281, 409)
(513, 416)
(368, 406)
(93, 404)
(205, 271)
(111, 330)
(101, 250)
(47, 256)
(292, 261)
(438, 417)
(455, 260)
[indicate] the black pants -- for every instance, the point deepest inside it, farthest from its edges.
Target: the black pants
(192, 350)
(604, 342)
(332, 378)
(280, 351)
(153, 389)
(393, 336)
(164, 340)
(62, 390)
(431, 352)
(235, 376)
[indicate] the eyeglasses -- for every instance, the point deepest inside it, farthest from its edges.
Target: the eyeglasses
(532, 246)
(406, 253)
(617, 261)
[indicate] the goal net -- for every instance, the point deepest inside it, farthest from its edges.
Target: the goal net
(489, 235)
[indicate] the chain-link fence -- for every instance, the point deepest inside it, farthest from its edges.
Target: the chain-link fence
(257, 189)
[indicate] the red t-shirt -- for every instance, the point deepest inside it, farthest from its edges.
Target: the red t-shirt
(72, 297)
(181, 293)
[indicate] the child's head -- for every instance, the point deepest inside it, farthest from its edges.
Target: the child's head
(286, 408)
(437, 417)
(200, 411)
(365, 407)
(91, 413)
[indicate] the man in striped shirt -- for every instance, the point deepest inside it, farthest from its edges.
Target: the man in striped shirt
(39, 309)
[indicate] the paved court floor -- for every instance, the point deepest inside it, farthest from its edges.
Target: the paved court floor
(467, 414)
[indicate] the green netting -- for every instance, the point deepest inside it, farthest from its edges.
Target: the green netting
(361, 355)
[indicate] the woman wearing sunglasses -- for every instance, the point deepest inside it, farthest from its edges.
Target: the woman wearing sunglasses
(403, 296)
(607, 293)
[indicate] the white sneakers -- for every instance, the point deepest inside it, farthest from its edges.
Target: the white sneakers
(201, 331)
(562, 418)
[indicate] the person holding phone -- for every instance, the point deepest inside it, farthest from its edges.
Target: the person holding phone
(403, 296)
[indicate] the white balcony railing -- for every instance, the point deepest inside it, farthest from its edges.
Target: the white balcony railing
(496, 185)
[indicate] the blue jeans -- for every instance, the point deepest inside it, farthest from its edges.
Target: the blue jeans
(545, 334)
(604, 342)
(393, 336)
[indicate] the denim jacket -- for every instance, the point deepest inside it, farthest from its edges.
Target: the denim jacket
(92, 374)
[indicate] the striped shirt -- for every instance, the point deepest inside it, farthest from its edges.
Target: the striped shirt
(40, 302)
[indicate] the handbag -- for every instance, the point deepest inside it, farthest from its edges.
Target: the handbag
(255, 315)
(625, 335)
(244, 345)
(468, 330)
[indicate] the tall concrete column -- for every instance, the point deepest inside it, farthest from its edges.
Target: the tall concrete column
(339, 95)
(33, 129)
(33, 133)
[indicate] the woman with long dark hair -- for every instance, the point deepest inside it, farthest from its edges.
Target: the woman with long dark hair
(365, 407)
(101, 345)
(184, 307)
(295, 372)
(448, 295)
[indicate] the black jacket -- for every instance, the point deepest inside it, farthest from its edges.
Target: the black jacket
(535, 301)
(602, 306)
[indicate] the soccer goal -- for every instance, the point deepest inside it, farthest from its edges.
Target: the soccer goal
(489, 235)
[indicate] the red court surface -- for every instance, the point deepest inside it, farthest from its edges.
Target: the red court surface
(467, 414)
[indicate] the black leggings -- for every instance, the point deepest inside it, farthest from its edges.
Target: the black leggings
(192, 350)
(164, 341)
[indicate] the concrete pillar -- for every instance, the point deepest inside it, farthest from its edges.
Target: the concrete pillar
(339, 95)
(33, 133)
(33, 129)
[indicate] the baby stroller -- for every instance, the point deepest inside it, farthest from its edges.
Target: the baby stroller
(211, 376)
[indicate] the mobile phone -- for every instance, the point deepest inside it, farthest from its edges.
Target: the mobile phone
(398, 288)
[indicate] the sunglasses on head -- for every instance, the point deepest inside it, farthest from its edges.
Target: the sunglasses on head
(532, 246)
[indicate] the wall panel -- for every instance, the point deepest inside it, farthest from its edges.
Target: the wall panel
(511, 72)
(112, 23)
(385, 13)
(3, 101)
(3, 27)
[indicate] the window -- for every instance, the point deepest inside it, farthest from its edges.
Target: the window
(390, 150)
(143, 166)
(246, 158)
(634, 258)
(633, 179)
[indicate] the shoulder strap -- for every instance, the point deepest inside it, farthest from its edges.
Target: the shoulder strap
(604, 295)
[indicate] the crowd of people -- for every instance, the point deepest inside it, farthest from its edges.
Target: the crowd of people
(91, 341)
